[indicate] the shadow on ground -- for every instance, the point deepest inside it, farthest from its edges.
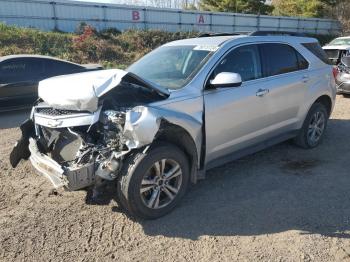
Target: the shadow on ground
(279, 189)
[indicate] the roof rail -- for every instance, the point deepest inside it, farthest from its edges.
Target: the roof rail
(217, 34)
(271, 33)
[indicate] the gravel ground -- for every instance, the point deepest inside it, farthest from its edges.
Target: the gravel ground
(281, 204)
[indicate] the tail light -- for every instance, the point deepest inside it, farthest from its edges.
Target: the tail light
(335, 72)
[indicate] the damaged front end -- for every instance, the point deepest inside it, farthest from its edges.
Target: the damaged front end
(81, 137)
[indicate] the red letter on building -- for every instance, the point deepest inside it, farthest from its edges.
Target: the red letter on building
(201, 19)
(135, 15)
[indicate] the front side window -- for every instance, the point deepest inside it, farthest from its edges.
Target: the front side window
(172, 67)
(244, 60)
(56, 67)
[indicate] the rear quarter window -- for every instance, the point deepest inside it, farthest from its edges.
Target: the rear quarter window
(302, 62)
(317, 50)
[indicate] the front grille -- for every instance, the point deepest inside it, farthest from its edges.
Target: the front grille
(334, 54)
(57, 112)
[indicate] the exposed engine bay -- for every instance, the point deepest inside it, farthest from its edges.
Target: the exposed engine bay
(89, 145)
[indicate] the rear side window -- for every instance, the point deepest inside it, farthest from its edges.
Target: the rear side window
(280, 59)
(21, 69)
(317, 50)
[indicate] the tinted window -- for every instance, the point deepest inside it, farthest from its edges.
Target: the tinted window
(21, 69)
(279, 59)
(302, 63)
(243, 60)
(317, 50)
(55, 67)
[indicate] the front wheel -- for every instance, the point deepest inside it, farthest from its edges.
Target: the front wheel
(315, 123)
(153, 183)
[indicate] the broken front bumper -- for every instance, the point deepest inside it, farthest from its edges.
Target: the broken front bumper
(72, 178)
(46, 166)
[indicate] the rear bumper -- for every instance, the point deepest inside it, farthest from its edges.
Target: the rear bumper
(72, 178)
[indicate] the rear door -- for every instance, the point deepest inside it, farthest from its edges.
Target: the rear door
(286, 75)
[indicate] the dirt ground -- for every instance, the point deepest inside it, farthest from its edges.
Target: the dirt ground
(282, 204)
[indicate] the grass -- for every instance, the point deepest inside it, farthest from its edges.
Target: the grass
(109, 47)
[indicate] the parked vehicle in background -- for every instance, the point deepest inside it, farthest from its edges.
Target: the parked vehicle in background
(186, 107)
(342, 78)
(338, 48)
(20, 75)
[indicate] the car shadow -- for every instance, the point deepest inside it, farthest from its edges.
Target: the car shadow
(279, 189)
(12, 119)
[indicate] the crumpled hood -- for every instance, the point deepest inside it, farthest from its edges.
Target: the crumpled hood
(81, 91)
(338, 47)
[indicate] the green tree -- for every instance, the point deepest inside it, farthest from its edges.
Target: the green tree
(304, 8)
(238, 6)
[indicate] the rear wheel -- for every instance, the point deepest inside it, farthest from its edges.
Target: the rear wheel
(152, 184)
(311, 134)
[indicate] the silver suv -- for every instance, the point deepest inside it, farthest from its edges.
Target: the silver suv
(187, 106)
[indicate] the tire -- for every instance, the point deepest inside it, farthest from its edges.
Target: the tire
(304, 137)
(142, 171)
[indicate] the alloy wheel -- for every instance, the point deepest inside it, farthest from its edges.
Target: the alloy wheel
(316, 127)
(161, 183)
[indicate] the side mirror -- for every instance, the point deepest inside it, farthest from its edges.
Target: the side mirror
(346, 61)
(226, 79)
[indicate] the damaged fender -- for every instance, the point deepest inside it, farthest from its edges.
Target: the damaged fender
(142, 125)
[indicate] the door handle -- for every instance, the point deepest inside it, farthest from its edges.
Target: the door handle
(306, 78)
(262, 92)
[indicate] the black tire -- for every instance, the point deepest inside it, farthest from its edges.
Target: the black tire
(303, 139)
(133, 172)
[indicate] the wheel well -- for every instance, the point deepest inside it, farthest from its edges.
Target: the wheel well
(181, 138)
(326, 101)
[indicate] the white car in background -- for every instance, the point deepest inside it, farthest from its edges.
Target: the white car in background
(338, 48)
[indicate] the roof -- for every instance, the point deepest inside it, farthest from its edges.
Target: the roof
(211, 40)
(3, 58)
(219, 40)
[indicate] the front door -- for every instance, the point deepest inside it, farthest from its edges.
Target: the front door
(237, 117)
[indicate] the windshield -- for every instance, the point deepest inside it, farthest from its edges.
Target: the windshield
(171, 67)
(340, 41)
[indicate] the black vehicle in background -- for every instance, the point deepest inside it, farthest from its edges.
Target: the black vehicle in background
(20, 75)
